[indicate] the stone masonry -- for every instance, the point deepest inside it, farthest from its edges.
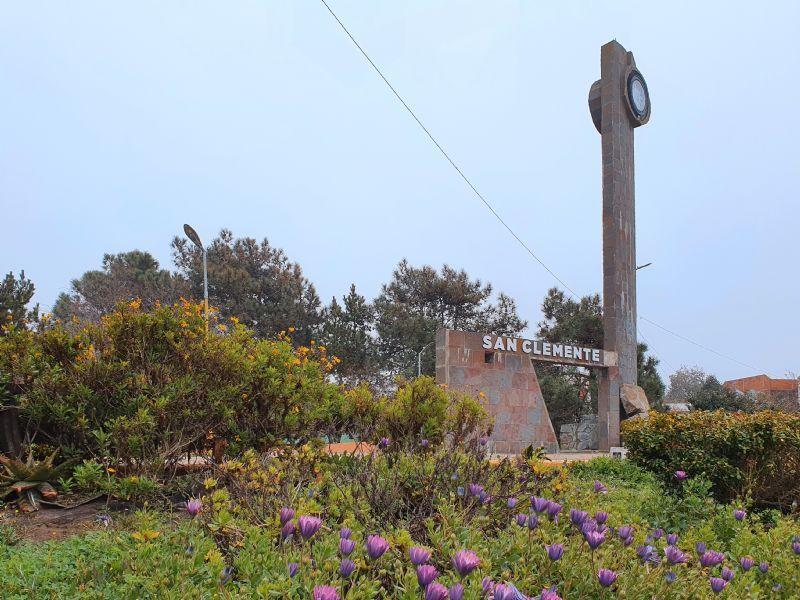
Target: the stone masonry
(511, 392)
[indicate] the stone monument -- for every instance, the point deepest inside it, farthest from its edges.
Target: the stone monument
(619, 102)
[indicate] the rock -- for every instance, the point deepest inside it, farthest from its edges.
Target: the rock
(634, 400)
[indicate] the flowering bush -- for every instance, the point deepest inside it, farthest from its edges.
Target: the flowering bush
(754, 457)
(573, 542)
(140, 389)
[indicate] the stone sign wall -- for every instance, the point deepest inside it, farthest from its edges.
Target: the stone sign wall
(511, 392)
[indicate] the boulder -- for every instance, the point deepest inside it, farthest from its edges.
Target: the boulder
(634, 400)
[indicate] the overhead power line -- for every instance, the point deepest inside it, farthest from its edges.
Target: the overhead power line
(487, 203)
(699, 345)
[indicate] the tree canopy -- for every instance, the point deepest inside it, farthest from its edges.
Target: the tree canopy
(15, 295)
(254, 282)
(124, 276)
(419, 300)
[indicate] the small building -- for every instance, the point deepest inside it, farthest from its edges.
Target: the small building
(763, 386)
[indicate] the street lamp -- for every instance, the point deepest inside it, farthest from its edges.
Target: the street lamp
(419, 358)
(192, 235)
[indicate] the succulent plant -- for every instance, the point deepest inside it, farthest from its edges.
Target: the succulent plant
(30, 480)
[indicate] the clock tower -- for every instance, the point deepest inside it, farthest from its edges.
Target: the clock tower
(619, 102)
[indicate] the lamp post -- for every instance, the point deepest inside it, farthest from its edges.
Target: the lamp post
(419, 358)
(192, 235)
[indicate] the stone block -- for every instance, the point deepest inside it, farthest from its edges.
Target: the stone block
(634, 400)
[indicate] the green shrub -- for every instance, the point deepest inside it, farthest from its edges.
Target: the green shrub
(141, 389)
(754, 458)
(421, 409)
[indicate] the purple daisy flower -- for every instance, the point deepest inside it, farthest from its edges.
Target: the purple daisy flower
(346, 567)
(426, 574)
(606, 577)
(325, 592)
(435, 591)
(717, 584)
(308, 526)
(555, 551)
(419, 555)
(465, 562)
(376, 546)
(286, 515)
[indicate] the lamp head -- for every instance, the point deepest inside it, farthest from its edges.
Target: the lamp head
(192, 235)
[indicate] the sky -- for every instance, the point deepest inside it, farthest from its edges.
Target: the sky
(121, 121)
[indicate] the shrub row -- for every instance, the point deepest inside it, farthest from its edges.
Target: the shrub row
(143, 388)
(754, 457)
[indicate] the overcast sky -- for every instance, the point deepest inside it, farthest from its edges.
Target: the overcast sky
(121, 121)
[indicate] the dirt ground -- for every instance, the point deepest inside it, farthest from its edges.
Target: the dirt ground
(54, 523)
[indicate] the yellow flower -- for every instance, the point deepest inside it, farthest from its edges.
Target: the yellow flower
(291, 329)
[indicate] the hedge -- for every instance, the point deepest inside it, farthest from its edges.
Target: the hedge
(751, 457)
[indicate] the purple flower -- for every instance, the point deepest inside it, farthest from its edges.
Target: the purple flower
(286, 515)
(763, 566)
(717, 584)
(287, 530)
(700, 548)
(346, 546)
(503, 592)
(465, 562)
(383, 443)
(539, 504)
(601, 517)
(484, 440)
(293, 567)
(670, 577)
(345, 533)
(487, 585)
(739, 514)
(589, 525)
(657, 534)
(419, 555)
(599, 488)
(648, 554)
(424, 443)
(606, 577)
(308, 526)
(549, 594)
(435, 591)
(426, 574)
(711, 558)
(346, 567)
(522, 520)
(594, 539)
(483, 497)
(577, 517)
(555, 551)
(627, 541)
(553, 508)
(681, 476)
(376, 546)
(796, 547)
(672, 539)
(475, 489)
(325, 592)
(533, 521)
(456, 591)
(193, 506)
(746, 562)
(511, 503)
(674, 555)
(727, 574)
(625, 531)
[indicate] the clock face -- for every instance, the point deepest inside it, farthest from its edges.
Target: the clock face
(638, 95)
